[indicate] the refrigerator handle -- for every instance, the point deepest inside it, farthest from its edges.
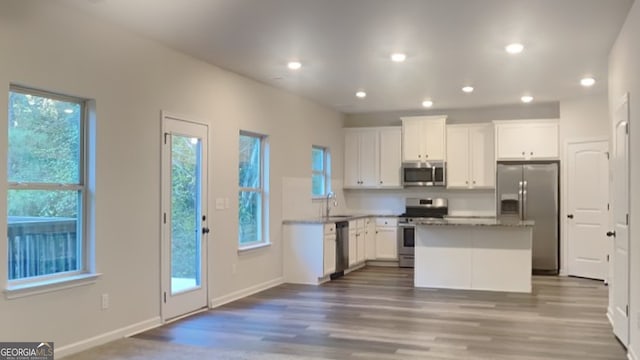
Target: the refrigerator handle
(524, 200)
(520, 199)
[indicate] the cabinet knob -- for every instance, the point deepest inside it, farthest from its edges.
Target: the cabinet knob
(419, 156)
(523, 153)
(466, 182)
(380, 181)
(474, 182)
(426, 156)
(531, 153)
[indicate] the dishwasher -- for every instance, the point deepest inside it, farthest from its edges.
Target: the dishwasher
(342, 248)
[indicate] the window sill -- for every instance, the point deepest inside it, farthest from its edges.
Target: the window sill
(253, 247)
(50, 285)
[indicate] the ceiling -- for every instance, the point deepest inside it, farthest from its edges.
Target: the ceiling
(345, 46)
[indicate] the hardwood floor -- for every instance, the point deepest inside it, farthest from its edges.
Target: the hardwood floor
(375, 313)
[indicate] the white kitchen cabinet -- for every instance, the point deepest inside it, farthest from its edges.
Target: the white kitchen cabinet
(361, 158)
(470, 156)
(372, 157)
(309, 252)
(329, 251)
(423, 138)
(360, 241)
(390, 156)
(386, 239)
(526, 140)
(370, 239)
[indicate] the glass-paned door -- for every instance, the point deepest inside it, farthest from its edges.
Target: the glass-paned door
(184, 218)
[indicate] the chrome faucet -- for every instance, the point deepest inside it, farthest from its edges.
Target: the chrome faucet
(330, 195)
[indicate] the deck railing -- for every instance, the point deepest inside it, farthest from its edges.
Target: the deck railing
(41, 246)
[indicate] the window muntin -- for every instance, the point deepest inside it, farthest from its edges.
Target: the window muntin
(46, 181)
(251, 197)
(320, 171)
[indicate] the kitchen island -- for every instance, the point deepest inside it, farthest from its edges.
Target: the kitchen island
(473, 253)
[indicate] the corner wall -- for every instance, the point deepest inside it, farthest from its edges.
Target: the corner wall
(624, 76)
(49, 46)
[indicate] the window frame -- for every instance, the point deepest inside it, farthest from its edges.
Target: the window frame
(85, 265)
(261, 190)
(325, 173)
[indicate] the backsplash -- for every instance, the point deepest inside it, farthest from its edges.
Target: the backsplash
(297, 202)
(461, 202)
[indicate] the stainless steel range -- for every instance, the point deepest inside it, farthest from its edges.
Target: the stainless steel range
(416, 208)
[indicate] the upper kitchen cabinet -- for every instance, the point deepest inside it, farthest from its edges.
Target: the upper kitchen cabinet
(526, 140)
(372, 157)
(470, 156)
(423, 138)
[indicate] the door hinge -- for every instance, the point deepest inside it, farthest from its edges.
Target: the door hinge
(627, 219)
(607, 257)
(627, 309)
(607, 154)
(165, 297)
(164, 217)
(608, 207)
(165, 138)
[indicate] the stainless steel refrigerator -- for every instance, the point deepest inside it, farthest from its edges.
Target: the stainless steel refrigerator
(529, 191)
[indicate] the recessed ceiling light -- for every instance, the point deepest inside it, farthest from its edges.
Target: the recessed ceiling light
(361, 94)
(468, 89)
(398, 57)
(587, 82)
(514, 48)
(294, 65)
(427, 103)
(526, 99)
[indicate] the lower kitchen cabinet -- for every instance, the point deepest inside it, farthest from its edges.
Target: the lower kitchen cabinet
(386, 239)
(360, 241)
(329, 253)
(370, 238)
(309, 252)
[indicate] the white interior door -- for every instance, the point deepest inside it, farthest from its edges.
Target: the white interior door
(620, 281)
(184, 222)
(587, 217)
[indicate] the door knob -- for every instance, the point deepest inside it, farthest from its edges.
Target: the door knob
(205, 230)
(611, 233)
(570, 216)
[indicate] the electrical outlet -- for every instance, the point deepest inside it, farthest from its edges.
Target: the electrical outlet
(105, 301)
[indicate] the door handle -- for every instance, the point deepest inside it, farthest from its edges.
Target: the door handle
(570, 216)
(205, 230)
(611, 233)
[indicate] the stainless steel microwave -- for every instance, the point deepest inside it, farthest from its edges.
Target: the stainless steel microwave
(424, 174)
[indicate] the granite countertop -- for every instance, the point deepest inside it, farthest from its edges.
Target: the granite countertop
(476, 221)
(335, 218)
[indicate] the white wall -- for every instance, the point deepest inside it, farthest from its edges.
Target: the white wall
(583, 118)
(45, 45)
(624, 76)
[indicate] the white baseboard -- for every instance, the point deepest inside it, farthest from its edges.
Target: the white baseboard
(610, 315)
(632, 354)
(107, 337)
(245, 292)
(383, 263)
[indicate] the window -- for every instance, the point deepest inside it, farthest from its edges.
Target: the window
(320, 171)
(46, 186)
(253, 167)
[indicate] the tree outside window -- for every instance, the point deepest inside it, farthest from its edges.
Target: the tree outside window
(46, 184)
(320, 171)
(251, 195)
